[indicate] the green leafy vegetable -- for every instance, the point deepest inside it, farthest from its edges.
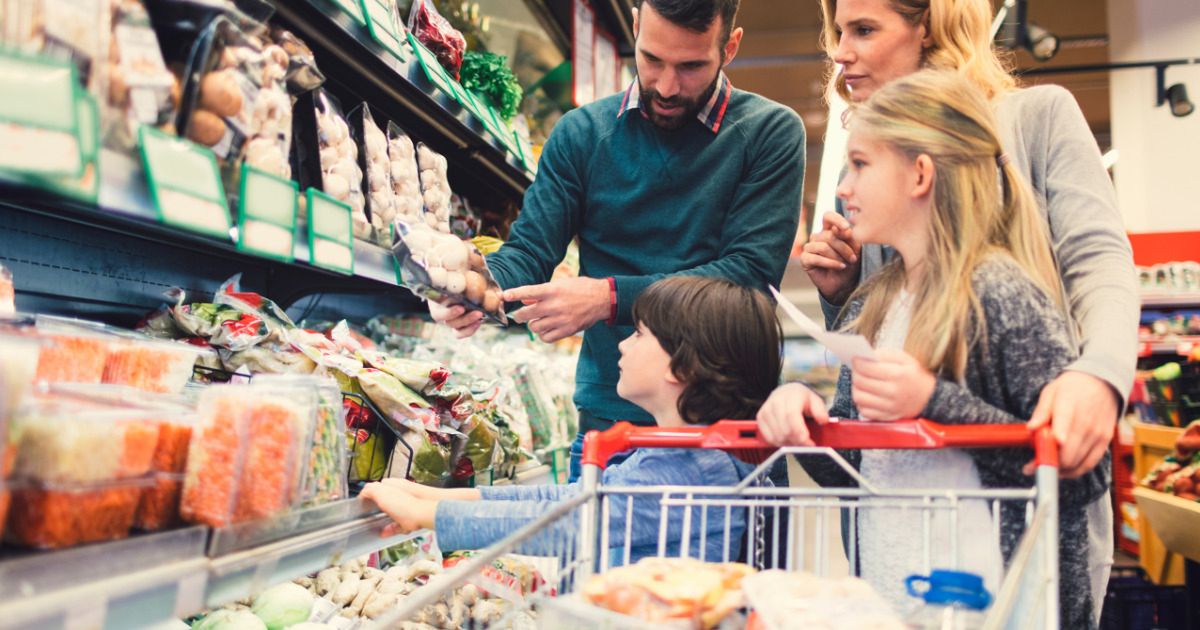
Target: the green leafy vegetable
(488, 74)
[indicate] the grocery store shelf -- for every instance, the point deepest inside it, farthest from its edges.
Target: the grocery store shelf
(1170, 300)
(1181, 346)
(355, 65)
(113, 261)
(120, 584)
(154, 578)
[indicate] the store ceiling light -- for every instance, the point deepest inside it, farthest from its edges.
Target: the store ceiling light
(1175, 96)
(1012, 29)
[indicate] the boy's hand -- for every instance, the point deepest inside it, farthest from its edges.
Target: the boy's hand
(781, 420)
(411, 487)
(892, 387)
(831, 258)
(409, 513)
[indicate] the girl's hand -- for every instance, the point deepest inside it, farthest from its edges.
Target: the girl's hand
(892, 387)
(408, 512)
(412, 488)
(781, 420)
(831, 258)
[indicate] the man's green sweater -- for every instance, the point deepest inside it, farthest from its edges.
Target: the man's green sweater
(647, 203)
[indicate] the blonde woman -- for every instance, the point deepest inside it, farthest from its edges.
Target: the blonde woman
(966, 317)
(873, 42)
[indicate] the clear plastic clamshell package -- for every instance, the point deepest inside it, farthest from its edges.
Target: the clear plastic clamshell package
(247, 453)
(326, 463)
(79, 472)
(74, 352)
(150, 365)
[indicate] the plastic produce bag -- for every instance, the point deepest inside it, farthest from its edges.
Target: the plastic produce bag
(432, 30)
(444, 269)
(435, 188)
(136, 87)
(420, 376)
(406, 181)
(341, 177)
(397, 402)
(375, 163)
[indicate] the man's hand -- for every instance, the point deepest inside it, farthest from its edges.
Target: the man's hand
(560, 308)
(831, 258)
(892, 387)
(1082, 411)
(408, 513)
(464, 323)
(781, 420)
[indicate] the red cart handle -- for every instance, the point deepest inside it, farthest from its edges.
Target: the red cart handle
(742, 436)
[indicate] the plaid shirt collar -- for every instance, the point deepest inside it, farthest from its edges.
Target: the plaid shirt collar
(710, 115)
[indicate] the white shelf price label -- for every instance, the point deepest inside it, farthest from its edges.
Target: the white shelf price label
(267, 215)
(384, 27)
(353, 9)
(184, 183)
(330, 235)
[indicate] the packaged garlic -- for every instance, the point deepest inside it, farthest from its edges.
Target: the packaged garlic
(376, 166)
(442, 268)
(341, 176)
(435, 188)
(406, 183)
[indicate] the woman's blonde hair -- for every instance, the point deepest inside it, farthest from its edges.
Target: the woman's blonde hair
(962, 41)
(980, 207)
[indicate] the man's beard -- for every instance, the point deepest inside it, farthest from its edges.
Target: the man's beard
(690, 108)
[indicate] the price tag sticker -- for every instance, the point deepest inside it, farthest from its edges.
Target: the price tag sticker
(267, 209)
(353, 8)
(382, 22)
(184, 183)
(39, 116)
(330, 235)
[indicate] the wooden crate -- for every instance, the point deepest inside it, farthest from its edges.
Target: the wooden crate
(1151, 444)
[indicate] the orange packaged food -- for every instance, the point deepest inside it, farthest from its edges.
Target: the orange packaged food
(214, 458)
(53, 517)
(158, 508)
(73, 359)
(153, 366)
(5, 497)
(271, 476)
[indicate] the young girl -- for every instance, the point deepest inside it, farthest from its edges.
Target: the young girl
(704, 350)
(967, 321)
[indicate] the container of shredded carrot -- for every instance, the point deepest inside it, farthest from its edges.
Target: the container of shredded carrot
(279, 437)
(158, 508)
(214, 462)
(73, 359)
(50, 516)
(150, 365)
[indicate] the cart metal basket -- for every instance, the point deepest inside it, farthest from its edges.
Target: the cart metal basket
(785, 528)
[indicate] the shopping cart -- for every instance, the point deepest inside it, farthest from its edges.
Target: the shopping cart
(577, 537)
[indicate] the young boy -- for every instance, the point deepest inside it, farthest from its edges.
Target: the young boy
(704, 350)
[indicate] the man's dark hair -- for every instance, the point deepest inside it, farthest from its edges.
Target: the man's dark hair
(724, 342)
(697, 15)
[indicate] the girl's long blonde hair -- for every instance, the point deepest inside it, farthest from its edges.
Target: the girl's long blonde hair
(962, 41)
(980, 207)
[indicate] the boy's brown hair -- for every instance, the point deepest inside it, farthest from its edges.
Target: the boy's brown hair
(724, 342)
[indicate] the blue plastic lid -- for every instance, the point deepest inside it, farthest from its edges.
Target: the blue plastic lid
(950, 587)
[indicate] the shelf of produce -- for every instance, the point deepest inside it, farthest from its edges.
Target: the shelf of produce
(354, 64)
(1175, 520)
(241, 574)
(1170, 300)
(122, 584)
(114, 260)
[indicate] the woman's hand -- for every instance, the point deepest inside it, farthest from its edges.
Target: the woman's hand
(831, 258)
(782, 419)
(409, 513)
(894, 386)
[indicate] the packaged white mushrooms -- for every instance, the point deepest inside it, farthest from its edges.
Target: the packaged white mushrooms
(435, 188)
(406, 183)
(443, 268)
(340, 175)
(376, 165)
